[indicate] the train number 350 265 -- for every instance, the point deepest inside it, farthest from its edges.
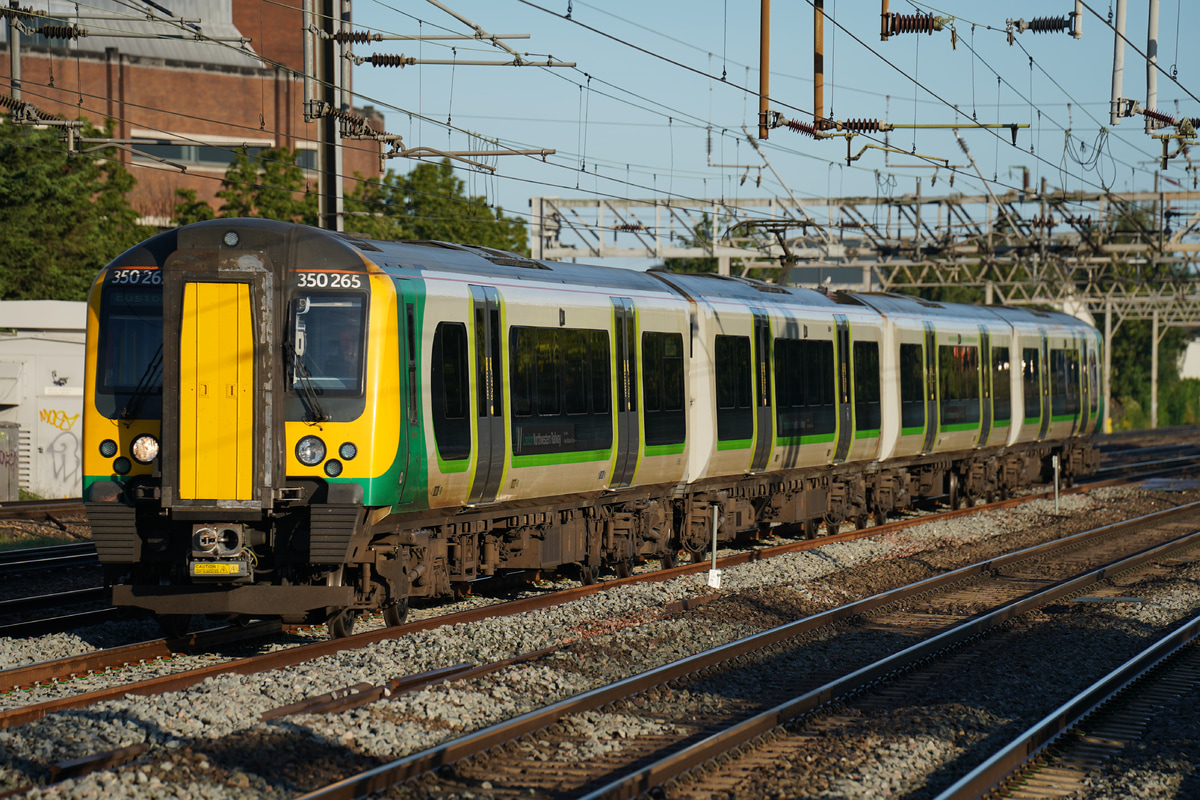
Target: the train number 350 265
(329, 280)
(142, 277)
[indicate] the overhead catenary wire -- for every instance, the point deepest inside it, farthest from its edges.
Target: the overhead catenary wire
(670, 125)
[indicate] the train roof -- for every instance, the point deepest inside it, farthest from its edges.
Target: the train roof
(895, 304)
(447, 257)
(472, 260)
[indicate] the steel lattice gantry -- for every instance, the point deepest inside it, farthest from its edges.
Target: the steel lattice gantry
(1117, 256)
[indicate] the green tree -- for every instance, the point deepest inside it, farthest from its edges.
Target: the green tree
(701, 236)
(188, 209)
(431, 202)
(63, 216)
(265, 185)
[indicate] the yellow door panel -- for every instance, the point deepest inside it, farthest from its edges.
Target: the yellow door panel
(216, 408)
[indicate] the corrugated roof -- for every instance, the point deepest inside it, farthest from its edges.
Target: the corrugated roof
(138, 29)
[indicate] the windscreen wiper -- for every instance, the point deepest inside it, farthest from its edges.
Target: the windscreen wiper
(308, 393)
(150, 378)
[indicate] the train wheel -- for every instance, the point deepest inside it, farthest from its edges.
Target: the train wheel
(670, 559)
(969, 500)
(860, 522)
(624, 567)
(810, 528)
(881, 516)
(396, 614)
(1003, 492)
(341, 624)
(954, 496)
(832, 528)
(587, 574)
(990, 497)
(174, 626)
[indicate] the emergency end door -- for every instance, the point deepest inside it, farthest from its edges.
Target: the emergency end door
(216, 402)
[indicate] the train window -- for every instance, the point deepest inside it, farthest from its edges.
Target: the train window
(735, 418)
(575, 351)
(548, 356)
(651, 371)
(866, 386)
(521, 370)
(1094, 382)
(958, 385)
(662, 388)
(601, 372)
(560, 383)
(804, 389)
(1064, 383)
(1031, 381)
(328, 331)
(450, 391)
(129, 351)
(1001, 385)
(912, 388)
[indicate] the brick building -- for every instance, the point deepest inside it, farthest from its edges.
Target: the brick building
(202, 100)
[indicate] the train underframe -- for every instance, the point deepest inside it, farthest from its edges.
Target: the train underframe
(327, 562)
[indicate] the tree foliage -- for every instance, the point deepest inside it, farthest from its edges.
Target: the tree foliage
(701, 236)
(64, 217)
(431, 202)
(269, 185)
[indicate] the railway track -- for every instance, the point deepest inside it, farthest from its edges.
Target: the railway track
(1055, 756)
(42, 510)
(669, 744)
(120, 657)
(351, 694)
(78, 554)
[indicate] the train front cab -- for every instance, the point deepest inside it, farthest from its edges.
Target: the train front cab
(266, 457)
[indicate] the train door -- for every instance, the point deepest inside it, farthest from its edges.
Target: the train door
(410, 421)
(985, 376)
(845, 427)
(216, 392)
(931, 389)
(625, 359)
(1079, 349)
(489, 397)
(1044, 355)
(764, 414)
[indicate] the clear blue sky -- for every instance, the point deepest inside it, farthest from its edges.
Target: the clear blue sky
(633, 118)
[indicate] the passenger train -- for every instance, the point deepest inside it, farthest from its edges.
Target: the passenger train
(283, 421)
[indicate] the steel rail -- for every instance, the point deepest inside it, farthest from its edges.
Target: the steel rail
(45, 672)
(62, 622)
(387, 775)
(768, 722)
(1026, 747)
(49, 562)
(48, 551)
(59, 599)
(35, 510)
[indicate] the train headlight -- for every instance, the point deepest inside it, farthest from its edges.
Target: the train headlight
(310, 451)
(108, 448)
(333, 468)
(348, 451)
(144, 449)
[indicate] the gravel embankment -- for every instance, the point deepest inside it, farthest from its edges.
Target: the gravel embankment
(206, 741)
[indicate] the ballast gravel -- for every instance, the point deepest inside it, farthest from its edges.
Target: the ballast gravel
(207, 742)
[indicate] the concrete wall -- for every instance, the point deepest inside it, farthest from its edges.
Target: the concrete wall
(41, 390)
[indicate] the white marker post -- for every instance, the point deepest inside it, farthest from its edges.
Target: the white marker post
(1055, 460)
(714, 574)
